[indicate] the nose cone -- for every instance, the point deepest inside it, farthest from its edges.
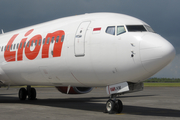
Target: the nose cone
(155, 52)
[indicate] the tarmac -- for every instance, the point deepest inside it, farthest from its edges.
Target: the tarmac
(162, 103)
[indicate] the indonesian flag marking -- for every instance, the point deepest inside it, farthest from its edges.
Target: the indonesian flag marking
(96, 30)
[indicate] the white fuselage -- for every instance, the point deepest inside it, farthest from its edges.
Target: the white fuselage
(86, 53)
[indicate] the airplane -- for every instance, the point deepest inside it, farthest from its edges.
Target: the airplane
(76, 53)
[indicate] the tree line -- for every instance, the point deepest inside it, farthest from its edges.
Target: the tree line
(166, 80)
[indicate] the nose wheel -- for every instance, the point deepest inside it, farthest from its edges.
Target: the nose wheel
(30, 92)
(110, 105)
(114, 106)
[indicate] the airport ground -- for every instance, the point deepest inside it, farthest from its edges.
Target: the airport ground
(162, 103)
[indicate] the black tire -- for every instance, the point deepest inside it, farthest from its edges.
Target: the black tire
(32, 94)
(22, 94)
(119, 106)
(110, 105)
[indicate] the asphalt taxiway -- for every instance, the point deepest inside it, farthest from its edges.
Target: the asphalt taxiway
(151, 103)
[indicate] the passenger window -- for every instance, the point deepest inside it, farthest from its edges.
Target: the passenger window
(11, 46)
(35, 42)
(14, 46)
(32, 42)
(52, 40)
(20, 45)
(8, 48)
(2, 48)
(5, 48)
(62, 38)
(43, 41)
(24, 44)
(28, 44)
(120, 30)
(17, 46)
(48, 40)
(57, 39)
(39, 41)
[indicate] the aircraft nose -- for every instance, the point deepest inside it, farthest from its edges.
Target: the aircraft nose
(155, 52)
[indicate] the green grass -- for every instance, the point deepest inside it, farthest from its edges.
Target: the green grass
(162, 84)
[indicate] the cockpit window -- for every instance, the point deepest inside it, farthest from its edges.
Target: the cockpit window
(110, 30)
(135, 28)
(120, 30)
(149, 28)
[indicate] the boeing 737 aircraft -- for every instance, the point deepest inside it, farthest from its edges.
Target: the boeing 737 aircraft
(77, 53)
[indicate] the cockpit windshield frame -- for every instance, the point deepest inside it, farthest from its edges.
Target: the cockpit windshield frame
(116, 30)
(139, 28)
(121, 29)
(136, 28)
(148, 28)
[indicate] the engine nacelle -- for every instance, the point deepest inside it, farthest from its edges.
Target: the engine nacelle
(74, 90)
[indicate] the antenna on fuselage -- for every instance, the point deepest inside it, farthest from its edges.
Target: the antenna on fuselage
(2, 31)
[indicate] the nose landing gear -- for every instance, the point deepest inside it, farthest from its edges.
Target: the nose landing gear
(30, 92)
(114, 106)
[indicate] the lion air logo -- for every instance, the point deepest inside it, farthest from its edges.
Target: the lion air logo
(115, 88)
(24, 46)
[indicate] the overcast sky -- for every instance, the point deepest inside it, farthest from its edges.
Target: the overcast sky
(162, 15)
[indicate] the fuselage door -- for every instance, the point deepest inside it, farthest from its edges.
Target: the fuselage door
(79, 42)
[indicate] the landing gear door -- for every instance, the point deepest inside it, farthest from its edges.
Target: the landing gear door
(79, 42)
